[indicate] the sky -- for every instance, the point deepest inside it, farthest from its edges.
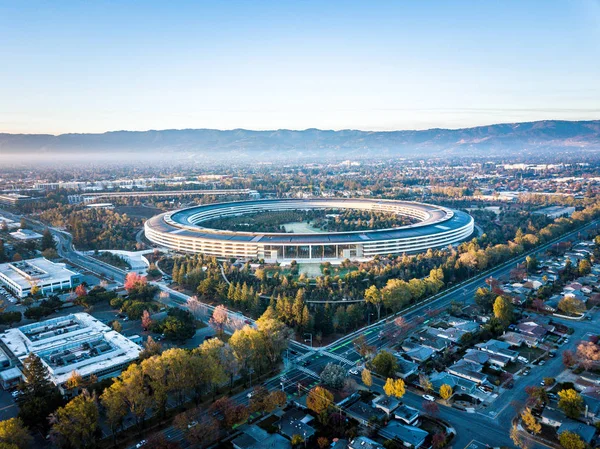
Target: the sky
(96, 66)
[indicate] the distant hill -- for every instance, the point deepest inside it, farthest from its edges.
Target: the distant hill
(502, 139)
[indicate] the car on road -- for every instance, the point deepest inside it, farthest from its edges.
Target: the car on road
(15, 394)
(249, 395)
(354, 372)
(141, 444)
(192, 424)
(526, 372)
(429, 398)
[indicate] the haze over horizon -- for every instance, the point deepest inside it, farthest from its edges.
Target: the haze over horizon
(97, 67)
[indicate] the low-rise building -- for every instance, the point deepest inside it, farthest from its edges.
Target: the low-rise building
(22, 277)
(76, 342)
(585, 432)
(408, 415)
(410, 436)
(386, 403)
(497, 347)
(25, 234)
(364, 443)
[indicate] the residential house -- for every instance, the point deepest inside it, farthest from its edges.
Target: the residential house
(468, 370)
(497, 347)
(385, 403)
(552, 417)
(481, 357)
(408, 415)
(586, 432)
(458, 384)
(364, 443)
(420, 353)
(532, 329)
(410, 436)
(363, 412)
(295, 422)
(405, 368)
(253, 437)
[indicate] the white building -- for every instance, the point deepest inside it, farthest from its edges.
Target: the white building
(20, 277)
(76, 342)
(25, 234)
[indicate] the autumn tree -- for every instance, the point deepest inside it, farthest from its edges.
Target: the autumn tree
(568, 358)
(503, 310)
(146, 320)
(14, 434)
(445, 392)
(75, 425)
(431, 408)
(81, 291)
(219, 319)
(366, 377)
(374, 296)
(570, 440)
(425, 383)
(115, 407)
(530, 421)
(319, 400)
(394, 387)
(571, 306)
(570, 402)
(134, 281)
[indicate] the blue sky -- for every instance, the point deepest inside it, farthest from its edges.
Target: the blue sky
(79, 66)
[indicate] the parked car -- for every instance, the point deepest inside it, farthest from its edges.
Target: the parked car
(353, 371)
(140, 444)
(429, 398)
(192, 424)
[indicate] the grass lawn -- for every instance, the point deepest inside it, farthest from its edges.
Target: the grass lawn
(530, 353)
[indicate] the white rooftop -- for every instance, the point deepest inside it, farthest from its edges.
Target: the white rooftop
(26, 272)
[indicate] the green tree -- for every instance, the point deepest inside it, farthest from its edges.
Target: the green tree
(39, 397)
(570, 402)
(76, 424)
(115, 408)
(571, 306)
(47, 240)
(14, 434)
(570, 440)
(385, 364)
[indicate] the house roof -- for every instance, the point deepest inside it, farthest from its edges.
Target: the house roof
(583, 430)
(408, 434)
(406, 413)
(420, 353)
(364, 443)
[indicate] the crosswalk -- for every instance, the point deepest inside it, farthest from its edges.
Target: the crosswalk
(338, 357)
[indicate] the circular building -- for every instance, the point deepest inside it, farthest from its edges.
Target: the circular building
(182, 230)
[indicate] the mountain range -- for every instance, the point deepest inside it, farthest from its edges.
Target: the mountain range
(500, 139)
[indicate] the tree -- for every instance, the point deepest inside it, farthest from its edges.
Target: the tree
(385, 364)
(439, 440)
(39, 397)
(570, 402)
(219, 319)
(296, 440)
(445, 392)
(151, 347)
(394, 387)
(585, 267)
(366, 377)
(570, 440)
(14, 434)
(431, 408)
(503, 310)
(134, 281)
(373, 296)
(75, 425)
(588, 353)
(115, 408)
(571, 306)
(333, 376)
(81, 291)
(362, 346)
(568, 358)
(322, 442)
(117, 326)
(204, 433)
(319, 400)
(146, 320)
(515, 436)
(530, 421)
(424, 382)
(47, 241)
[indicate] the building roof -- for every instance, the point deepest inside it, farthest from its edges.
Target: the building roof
(583, 430)
(253, 437)
(29, 272)
(408, 434)
(364, 443)
(406, 413)
(73, 342)
(292, 424)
